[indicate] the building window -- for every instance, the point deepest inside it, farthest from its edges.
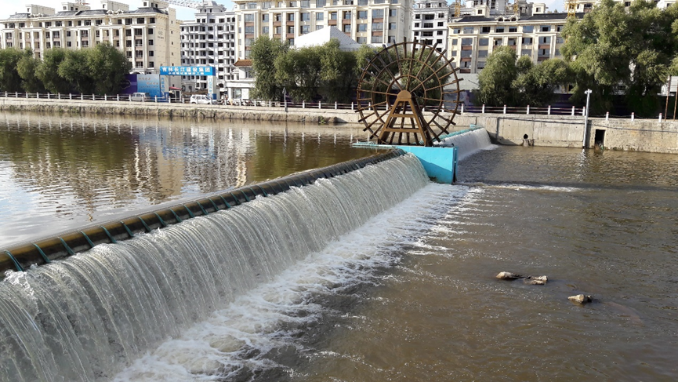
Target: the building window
(363, 28)
(545, 28)
(347, 28)
(484, 30)
(513, 29)
(362, 15)
(362, 40)
(305, 29)
(499, 30)
(305, 16)
(377, 14)
(468, 30)
(528, 28)
(483, 42)
(347, 15)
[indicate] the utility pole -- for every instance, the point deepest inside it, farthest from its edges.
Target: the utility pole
(586, 117)
(668, 94)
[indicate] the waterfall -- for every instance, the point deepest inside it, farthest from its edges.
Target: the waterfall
(468, 142)
(87, 317)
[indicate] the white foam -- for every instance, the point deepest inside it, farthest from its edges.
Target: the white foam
(255, 320)
(469, 143)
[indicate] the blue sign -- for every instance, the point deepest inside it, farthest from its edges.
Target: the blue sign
(187, 70)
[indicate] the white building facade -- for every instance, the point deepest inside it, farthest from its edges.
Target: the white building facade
(429, 24)
(209, 40)
(373, 22)
(474, 38)
(148, 36)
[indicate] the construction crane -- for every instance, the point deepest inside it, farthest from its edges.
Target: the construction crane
(188, 3)
(571, 6)
(457, 8)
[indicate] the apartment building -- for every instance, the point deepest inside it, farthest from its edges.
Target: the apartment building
(149, 35)
(429, 24)
(373, 22)
(587, 5)
(209, 40)
(473, 38)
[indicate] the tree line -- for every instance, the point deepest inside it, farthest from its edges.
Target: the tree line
(98, 70)
(621, 54)
(306, 74)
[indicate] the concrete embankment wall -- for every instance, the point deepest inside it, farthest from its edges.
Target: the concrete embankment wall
(647, 135)
(174, 110)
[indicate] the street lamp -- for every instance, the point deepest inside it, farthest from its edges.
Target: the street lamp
(285, 98)
(586, 117)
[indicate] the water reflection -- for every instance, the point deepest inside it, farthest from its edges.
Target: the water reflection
(57, 173)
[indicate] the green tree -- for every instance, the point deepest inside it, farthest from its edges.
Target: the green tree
(337, 73)
(496, 79)
(107, 67)
(48, 71)
(299, 72)
(75, 70)
(536, 84)
(264, 53)
(612, 48)
(9, 76)
(26, 68)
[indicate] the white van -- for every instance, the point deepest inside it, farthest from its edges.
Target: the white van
(139, 97)
(202, 99)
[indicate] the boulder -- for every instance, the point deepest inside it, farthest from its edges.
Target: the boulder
(508, 276)
(536, 280)
(581, 299)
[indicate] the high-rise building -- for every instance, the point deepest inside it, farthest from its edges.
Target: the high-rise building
(474, 38)
(209, 40)
(148, 36)
(373, 22)
(429, 24)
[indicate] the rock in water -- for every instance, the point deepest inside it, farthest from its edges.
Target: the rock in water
(508, 276)
(581, 299)
(536, 280)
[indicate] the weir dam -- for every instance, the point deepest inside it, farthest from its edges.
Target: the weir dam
(365, 270)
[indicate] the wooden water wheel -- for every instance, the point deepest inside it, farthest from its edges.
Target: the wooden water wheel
(408, 94)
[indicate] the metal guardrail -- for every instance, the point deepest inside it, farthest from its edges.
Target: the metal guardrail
(44, 251)
(353, 106)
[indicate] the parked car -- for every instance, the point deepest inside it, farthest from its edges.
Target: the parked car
(139, 97)
(202, 99)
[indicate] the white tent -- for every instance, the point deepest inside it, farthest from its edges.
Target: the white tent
(325, 35)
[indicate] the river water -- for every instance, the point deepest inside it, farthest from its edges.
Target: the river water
(411, 295)
(58, 173)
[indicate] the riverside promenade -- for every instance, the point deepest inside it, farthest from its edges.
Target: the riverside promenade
(646, 135)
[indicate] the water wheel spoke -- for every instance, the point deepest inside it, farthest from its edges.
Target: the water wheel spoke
(415, 75)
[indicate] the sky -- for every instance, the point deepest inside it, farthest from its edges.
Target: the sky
(9, 7)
